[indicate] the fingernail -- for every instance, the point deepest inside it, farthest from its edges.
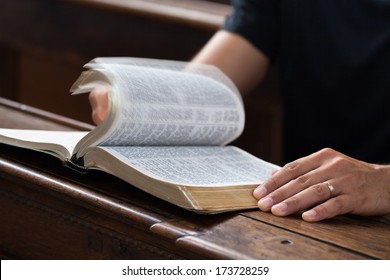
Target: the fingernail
(280, 208)
(266, 203)
(310, 215)
(259, 192)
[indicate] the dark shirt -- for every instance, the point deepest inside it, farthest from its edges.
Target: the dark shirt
(334, 62)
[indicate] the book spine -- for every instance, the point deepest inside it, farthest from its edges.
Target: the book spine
(76, 164)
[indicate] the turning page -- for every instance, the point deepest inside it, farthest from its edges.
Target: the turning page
(157, 102)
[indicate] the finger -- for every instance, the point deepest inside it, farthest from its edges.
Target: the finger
(289, 172)
(98, 99)
(294, 170)
(303, 200)
(333, 207)
(98, 115)
(97, 95)
(292, 188)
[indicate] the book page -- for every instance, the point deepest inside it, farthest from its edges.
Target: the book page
(59, 143)
(196, 166)
(171, 103)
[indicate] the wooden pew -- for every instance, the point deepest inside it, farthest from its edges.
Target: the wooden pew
(49, 211)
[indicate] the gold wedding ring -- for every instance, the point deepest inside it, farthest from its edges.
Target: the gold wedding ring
(331, 189)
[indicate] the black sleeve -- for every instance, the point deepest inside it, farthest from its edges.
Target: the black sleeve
(258, 22)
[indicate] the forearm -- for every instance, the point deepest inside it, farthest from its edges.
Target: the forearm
(245, 65)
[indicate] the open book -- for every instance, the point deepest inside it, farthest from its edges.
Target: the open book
(165, 133)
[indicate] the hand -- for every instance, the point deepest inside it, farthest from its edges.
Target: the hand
(329, 182)
(98, 98)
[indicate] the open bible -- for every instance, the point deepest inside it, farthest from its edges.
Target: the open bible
(166, 133)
